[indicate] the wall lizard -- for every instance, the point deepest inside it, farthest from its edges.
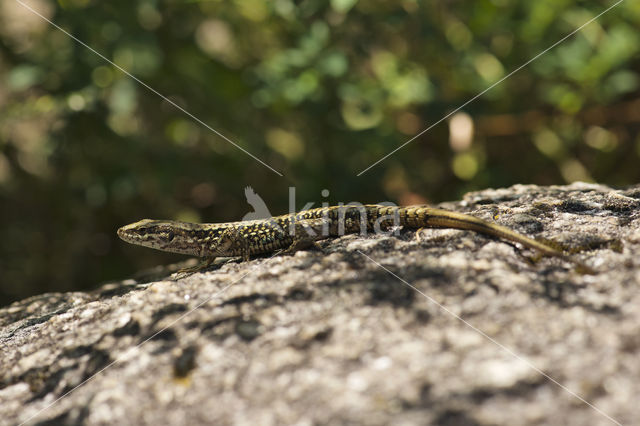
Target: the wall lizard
(290, 232)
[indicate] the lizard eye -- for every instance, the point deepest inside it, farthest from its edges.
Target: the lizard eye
(170, 236)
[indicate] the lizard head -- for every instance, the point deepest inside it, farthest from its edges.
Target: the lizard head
(166, 235)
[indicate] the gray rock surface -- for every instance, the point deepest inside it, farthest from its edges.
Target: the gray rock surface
(333, 337)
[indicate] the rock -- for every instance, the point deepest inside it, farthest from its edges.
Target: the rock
(458, 328)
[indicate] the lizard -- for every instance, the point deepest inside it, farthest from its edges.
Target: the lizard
(290, 232)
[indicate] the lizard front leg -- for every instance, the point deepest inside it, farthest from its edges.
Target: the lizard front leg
(202, 265)
(232, 242)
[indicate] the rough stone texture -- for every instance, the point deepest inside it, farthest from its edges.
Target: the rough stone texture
(332, 337)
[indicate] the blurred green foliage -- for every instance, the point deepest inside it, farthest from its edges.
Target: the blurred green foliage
(318, 90)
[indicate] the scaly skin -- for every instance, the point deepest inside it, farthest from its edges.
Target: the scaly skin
(289, 232)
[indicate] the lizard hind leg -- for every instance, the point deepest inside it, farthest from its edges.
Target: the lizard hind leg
(307, 232)
(301, 244)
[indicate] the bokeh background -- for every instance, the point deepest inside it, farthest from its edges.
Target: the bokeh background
(318, 90)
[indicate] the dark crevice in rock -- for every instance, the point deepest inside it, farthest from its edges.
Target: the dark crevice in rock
(185, 362)
(131, 328)
(167, 310)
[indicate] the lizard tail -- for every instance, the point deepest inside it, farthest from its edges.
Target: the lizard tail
(437, 218)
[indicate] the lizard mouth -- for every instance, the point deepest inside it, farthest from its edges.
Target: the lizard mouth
(122, 233)
(126, 234)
